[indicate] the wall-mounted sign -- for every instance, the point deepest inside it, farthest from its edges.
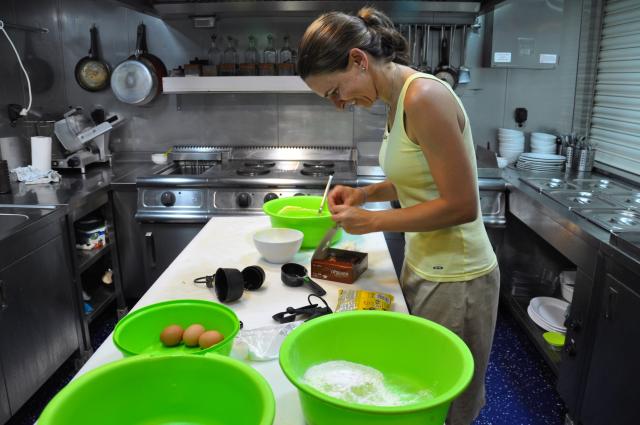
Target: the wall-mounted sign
(548, 58)
(502, 57)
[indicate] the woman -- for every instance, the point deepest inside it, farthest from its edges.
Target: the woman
(450, 272)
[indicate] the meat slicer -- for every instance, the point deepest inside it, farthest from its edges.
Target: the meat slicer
(84, 141)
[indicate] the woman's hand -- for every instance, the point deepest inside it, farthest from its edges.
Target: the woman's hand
(346, 196)
(356, 221)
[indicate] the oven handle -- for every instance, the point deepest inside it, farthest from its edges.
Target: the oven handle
(151, 247)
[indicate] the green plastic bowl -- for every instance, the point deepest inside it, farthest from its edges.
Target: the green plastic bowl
(314, 227)
(144, 390)
(418, 352)
(139, 331)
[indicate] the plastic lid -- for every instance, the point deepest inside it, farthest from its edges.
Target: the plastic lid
(554, 338)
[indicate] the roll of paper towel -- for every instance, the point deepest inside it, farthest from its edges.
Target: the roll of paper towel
(41, 153)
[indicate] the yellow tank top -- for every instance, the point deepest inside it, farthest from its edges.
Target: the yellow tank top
(452, 254)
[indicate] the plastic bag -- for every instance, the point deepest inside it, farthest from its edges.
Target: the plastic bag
(262, 344)
(349, 299)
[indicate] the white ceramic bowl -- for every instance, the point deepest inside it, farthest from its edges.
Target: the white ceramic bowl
(543, 136)
(510, 131)
(159, 158)
(278, 245)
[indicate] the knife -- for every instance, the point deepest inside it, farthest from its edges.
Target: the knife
(321, 251)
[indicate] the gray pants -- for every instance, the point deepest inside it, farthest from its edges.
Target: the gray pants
(469, 309)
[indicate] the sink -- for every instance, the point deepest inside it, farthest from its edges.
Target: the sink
(9, 221)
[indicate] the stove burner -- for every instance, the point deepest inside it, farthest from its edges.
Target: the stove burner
(318, 164)
(316, 172)
(252, 172)
(259, 164)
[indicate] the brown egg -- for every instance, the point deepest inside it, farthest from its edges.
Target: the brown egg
(191, 334)
(209, 338)
(171, 335)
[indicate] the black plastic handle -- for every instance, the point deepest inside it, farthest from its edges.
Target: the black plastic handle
(93, 48)
(611, 298)
(151, 248)
(3, 297)
(444, 52)
(315, 288)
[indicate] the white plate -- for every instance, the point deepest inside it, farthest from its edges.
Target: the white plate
(510, 131)
(551, 310)
(543, 135)
(544, 156)
(544, 325)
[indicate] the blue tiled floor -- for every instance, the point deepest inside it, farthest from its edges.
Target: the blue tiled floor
(520, 387)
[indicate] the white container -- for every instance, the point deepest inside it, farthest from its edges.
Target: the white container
(41, 153)
(278, 245)
(15, 151)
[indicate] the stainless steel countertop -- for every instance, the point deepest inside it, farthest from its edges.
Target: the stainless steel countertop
(591, 235)
(74, 188)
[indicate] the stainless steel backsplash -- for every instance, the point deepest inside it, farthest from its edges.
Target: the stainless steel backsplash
(247, 119)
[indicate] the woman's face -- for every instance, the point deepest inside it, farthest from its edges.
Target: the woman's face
(352, 86)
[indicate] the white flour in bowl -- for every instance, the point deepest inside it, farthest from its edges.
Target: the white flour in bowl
(361, 384)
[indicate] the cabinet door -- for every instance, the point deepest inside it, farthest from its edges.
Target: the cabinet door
(5, 412)
(611, 396)
(38, 323)
(163, 242)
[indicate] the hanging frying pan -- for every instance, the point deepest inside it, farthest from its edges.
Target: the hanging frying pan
(136, 80)
(445, 72)
(91, 73)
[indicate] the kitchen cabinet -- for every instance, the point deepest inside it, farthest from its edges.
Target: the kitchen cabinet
(610, 396)
(162, 244)
(38, 317)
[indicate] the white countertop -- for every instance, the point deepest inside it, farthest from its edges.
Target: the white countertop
(227, 242)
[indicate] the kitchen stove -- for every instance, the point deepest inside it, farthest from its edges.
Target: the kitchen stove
(240, 181)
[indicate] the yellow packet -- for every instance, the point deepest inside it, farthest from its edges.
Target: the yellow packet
(350, 299)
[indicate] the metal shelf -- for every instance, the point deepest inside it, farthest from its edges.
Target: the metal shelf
(101, 298)
(261, 84)
(518, 307)
(87, 258)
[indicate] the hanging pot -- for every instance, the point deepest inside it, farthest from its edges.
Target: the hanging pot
(138, 80)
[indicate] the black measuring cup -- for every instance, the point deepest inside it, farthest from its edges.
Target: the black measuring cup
(293, 274)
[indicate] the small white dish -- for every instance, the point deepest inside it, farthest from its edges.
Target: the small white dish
(159, 158)
(278, 245)
(502, 162)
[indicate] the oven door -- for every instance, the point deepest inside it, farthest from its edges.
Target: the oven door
(162, 243)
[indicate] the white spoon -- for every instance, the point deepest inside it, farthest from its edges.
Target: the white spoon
(326, 191)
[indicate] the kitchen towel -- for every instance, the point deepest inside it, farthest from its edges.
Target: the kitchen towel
(31, 175)
(41, 153)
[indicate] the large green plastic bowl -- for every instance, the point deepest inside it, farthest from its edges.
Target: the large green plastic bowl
(406, 348)
(139, 331)
(163, 390)
(314, 227)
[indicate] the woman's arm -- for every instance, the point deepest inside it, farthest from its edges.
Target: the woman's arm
(434, 121)
(355, 196)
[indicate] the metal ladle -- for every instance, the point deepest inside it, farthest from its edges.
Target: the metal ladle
(464, 74)
(293, 274)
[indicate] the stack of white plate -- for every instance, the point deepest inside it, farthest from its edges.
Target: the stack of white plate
(543, 143)
(548, 313)
(543, 162)
(510, 144)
